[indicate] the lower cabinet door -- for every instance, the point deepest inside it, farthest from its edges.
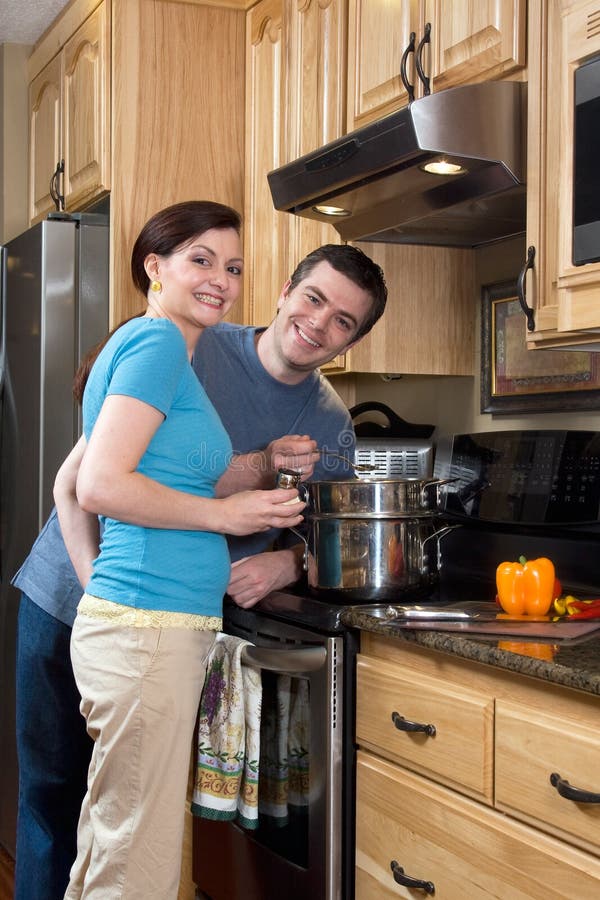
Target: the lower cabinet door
(415, 838)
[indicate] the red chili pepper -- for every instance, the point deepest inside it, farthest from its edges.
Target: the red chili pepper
(592, 612)
(582, 605)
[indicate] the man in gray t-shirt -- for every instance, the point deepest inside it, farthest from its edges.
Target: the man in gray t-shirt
(264, 383)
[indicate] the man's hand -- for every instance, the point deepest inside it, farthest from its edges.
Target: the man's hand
(253, 577)
(293, 451)
(258, 470)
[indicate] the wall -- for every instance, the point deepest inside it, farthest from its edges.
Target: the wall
(13, 139)
(453, 404)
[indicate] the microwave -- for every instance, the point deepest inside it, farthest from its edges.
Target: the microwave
(586, 152)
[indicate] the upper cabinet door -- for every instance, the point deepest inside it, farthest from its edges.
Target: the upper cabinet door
(564, 298)
(265, 228)
(44, 137)
(315, 100)
(378, 35)
(86, 109)
(69, 116)
(456, 42)
(475, 41)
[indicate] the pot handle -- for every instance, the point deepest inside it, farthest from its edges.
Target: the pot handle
(439, 534)
(434, 482)
(305, 541)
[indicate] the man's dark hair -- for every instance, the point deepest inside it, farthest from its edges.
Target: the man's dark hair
(356, 266)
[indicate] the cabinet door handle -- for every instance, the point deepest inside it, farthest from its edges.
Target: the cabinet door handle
(52, 188)
(407, 881)
(426, 39)
(57, 197)
(572, 793)
(521, 289)
(408, 87)
(403, 724)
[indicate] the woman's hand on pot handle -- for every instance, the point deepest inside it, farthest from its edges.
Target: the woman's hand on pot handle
(249, 512)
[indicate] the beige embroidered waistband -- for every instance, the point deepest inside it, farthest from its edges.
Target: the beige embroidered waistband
(131, 616)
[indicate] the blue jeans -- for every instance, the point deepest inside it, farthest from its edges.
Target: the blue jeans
(54, 752)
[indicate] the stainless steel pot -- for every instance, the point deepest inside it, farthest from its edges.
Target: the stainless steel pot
(374, 539)
(375, 558)
(374, 497)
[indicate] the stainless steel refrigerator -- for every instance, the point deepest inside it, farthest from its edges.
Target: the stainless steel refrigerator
(54, 298)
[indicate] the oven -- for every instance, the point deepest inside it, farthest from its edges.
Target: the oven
(303, 847)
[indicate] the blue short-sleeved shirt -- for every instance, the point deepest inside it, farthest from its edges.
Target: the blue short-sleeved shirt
(158, 568)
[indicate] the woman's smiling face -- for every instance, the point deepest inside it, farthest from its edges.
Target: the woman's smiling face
(201, 280)
(319, 318)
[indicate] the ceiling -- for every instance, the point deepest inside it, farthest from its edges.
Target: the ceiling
(23, 21)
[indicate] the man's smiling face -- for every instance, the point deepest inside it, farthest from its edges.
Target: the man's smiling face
(319, 317)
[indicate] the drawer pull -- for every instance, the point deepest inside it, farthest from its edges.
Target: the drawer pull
(403, 724)
(407, 881)
(572, 793)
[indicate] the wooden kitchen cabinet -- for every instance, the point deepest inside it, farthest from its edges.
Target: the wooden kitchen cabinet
(69, 114)
(45, 151)
(172, 135)
(265, 229)
(295, 64)
(383, 693)
(176, 135)
(428, 327)
(531, 743)
(459, 847)
(470, 808)
(468, 42)
(565, 299)
(315, 40)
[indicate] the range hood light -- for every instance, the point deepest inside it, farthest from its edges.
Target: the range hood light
(443, 167)
(331, 210)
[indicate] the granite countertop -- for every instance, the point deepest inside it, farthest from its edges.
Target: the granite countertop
(571, 664)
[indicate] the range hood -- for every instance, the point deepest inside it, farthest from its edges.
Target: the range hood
(374, 176)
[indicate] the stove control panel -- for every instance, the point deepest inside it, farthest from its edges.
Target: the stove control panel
(527, 477)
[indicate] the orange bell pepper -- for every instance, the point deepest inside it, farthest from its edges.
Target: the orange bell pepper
(526, 587)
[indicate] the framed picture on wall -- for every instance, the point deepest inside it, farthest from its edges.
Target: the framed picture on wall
(517, 380)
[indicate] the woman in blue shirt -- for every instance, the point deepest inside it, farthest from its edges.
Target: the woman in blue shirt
(155, 449)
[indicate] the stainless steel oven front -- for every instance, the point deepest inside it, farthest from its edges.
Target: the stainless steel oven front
(307, 851)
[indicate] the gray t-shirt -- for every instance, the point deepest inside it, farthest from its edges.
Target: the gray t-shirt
(255, 409)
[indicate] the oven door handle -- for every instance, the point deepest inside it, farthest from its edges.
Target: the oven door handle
(286, 662)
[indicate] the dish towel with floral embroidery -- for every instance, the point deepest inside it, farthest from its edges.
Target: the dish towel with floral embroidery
(226, 782)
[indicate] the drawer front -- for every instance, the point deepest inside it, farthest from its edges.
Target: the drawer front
(459, 754)
(530, 746)
(463, 848)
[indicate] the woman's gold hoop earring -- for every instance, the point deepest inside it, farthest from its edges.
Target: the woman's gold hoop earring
(156, 287)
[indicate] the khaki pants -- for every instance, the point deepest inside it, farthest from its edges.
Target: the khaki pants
(140, 690)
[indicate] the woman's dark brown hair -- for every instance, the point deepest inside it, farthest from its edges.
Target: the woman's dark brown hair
(88, 360)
